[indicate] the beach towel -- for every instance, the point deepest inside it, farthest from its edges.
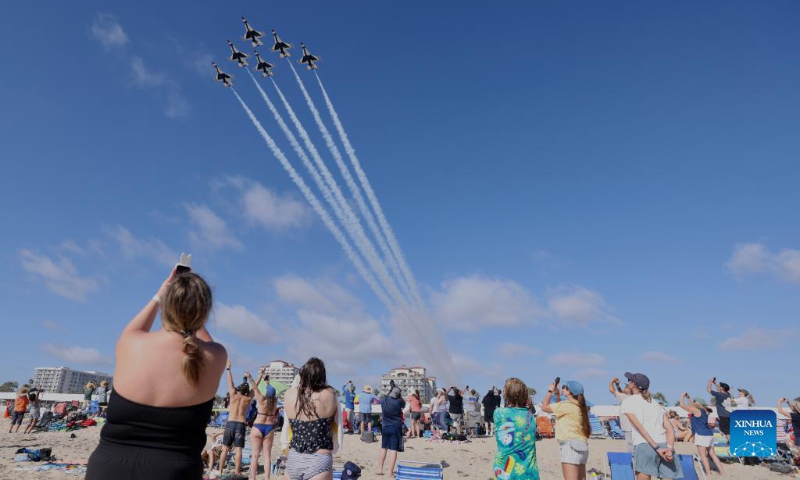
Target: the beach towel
(337, 430)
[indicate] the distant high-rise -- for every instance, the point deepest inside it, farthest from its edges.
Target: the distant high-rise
(282, 371)
(67, 380)
(410, 379)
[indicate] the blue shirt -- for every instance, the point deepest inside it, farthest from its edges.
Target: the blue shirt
(365, 402)
(700, 424)
(349, 398)
(720, 397)
(392, 412)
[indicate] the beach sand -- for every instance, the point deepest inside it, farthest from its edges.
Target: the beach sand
(465, 460)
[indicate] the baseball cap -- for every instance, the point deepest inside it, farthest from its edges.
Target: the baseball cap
(574, 387)
(639, 379)
(725, 386)
(271, 391)
(351, 471)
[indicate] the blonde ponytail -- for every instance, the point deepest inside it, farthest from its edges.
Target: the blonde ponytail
(646, 396)
(192, 360)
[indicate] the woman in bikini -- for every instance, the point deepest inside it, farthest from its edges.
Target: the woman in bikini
(263, 431)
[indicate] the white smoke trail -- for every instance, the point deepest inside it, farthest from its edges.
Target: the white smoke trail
(341, 209)
(318, 208)
(337, 156)
(373, 199)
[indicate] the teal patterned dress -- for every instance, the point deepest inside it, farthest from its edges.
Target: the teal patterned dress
(515, 434)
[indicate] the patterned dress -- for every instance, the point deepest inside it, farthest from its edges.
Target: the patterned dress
(515, 434)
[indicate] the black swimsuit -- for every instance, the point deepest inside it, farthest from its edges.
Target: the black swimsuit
(154, 443)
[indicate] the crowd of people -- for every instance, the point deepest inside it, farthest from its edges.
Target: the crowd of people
(166, 382)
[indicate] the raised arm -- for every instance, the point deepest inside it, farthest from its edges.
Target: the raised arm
(613, 386)
(710, 384)
(688, 406)
(231, 386)
(255, 384)
(548, 397)
(780, 408)
(143, 321)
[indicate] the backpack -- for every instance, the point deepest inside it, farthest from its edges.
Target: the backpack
(368, 437)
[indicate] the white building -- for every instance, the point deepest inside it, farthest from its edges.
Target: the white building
(410, 379)
(281, 371)
(67, 380)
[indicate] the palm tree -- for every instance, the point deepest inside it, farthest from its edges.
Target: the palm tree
(531, 392)
(660, 398)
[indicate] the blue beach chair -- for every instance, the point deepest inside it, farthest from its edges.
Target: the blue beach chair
(597, 427)
(621, 465)
(408, 470)
(687, 465)
(616, 432)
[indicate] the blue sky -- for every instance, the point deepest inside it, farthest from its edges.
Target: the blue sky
(580, 190)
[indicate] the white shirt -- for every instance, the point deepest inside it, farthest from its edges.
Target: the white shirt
(649, 414)
(624, 423)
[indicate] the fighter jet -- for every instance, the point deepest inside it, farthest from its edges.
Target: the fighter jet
(280, 46)
(252, 34)
(237, 56)
(263, 67)
(308, 58)
(222, 76)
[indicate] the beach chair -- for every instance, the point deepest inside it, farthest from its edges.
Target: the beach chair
(219, 422)
(409, 470)
(620, 465)
(687, 465)
(60, 409)
(597, 427)
(544, 427)
(615, 431)
(722, 447)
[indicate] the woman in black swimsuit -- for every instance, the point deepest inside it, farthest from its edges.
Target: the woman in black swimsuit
(263, 432)
(164, 387)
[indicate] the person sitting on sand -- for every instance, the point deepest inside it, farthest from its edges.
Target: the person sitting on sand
(33, 406)
(263, 432)
(311, 409)
(703, 434)
(392, 406)
(653, 435)
(164, 387)
(212, 450)
(682, 434)
(515, 435)
(20, 405)
(572, 427)
(793, 414)
(364, 401)
(235, 427)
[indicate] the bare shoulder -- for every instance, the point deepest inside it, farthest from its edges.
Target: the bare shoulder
(216, 354)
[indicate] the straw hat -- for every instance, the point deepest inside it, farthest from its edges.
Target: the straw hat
(22, 391)
(367, 388)
(104, 383)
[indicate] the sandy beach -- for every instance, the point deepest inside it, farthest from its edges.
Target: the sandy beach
(464, 460)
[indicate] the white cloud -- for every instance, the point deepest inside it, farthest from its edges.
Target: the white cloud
(509, 349)
(211, 232)
(576, 305)
(660, 357)
(758, 339)
(244, 324)
(72, 247)
(61, 277)
(327, 336)
(177, 105)
(265, 208)
(469, 364)
(50, 325)
(470, 303)
(142, 77)
(577, 359)
(592, 373)
(151, 248)
(320, 295)
(107, 30)
(754, 258)
(201, 63)
(81, 355)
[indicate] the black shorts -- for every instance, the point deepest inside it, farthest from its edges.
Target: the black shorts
(365, 417)
(16, 418)
(392, 438)
(234, 434)
(416, 415)
(488, 417)
(725, 425)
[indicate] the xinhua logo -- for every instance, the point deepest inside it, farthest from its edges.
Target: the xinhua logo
(754, 433)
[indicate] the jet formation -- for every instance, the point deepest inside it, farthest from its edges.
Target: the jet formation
(265, 68)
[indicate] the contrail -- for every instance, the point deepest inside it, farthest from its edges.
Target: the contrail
(393, 265)
(373, 199)
(341, 209)
(317, 206)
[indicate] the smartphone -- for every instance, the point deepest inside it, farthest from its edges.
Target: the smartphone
(266, 377)
(182, 269)
(557, 381)
(714, 380)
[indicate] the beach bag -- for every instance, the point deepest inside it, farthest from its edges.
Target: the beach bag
(368, 437)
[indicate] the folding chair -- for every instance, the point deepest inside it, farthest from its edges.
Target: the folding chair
(621, 466)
